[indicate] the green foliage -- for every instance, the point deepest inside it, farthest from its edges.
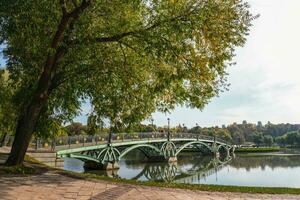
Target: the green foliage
(94, 124)
(260, 135)
(129, 58)
(28, 168)
(7, 108)
(16, 170)
(258, 138)
(76, 129)
(268, 140)
(257, 149)
(291, 138)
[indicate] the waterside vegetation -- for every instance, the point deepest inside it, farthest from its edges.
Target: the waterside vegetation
(256, 149)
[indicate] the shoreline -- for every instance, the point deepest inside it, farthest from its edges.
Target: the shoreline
(35, 168)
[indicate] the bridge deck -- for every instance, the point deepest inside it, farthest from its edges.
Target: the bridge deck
(61, 151)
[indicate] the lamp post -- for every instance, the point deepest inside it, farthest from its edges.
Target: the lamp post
(152, 125)
(109, 137)
(168, 129)
(152, 120)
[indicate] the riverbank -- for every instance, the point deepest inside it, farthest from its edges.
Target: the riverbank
(35, 169)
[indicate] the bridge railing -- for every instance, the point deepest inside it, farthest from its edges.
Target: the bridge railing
(64, 142)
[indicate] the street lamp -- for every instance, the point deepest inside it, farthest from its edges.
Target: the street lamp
(152, 125)
(152, 120)
(109, 137)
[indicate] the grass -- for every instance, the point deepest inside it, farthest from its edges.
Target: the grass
(32, 166)
(256, 149)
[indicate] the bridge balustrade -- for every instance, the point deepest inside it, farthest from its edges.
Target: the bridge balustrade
(64, 142)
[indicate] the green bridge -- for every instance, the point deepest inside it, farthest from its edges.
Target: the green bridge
(105, 153)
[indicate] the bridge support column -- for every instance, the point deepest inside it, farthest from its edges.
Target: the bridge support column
(110, 166)
(217, 154)
(172, 159)
(227, 152)
(232, 149)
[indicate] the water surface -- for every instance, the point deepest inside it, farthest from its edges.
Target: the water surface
(280, 169)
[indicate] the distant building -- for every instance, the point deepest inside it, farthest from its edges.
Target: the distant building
(244, 122)
(223, 126)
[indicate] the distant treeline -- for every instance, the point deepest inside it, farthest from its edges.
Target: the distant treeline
(258, 134)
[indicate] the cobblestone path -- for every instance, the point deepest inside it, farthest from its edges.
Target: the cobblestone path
(52, 186)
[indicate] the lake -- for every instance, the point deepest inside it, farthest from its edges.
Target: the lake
(280, 169)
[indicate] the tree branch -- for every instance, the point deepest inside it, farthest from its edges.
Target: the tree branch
(63, 6)
(117, 37)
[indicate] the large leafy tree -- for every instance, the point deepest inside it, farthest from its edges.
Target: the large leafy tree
(128, 57)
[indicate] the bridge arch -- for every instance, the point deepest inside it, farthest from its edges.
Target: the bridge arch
(225, 146)
(191, 143)
(84, 158)
(127, 150)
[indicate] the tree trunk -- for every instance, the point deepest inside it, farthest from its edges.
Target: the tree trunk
(24, 131)
(28, 120)
(3, 140)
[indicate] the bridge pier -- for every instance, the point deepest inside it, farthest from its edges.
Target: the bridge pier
(217, 154)
(111, 166)
(172, 159)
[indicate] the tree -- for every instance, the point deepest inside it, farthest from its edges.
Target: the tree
(258, 138)
(57, 49)
(268, 140)
(76, 128)
(281, 140)
(7, 109)
(291, 138)
(223, 133)
(94, 123)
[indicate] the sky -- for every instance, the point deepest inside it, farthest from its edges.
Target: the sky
(265, 82)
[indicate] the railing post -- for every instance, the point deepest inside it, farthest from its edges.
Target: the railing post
(36, 143)
(69, 141)
(109, 138)
(53, 144)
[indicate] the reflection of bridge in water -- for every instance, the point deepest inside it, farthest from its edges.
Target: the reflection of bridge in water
(158, 147)
(171, 172)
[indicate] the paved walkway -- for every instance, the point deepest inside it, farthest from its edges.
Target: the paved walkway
(51, 186)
